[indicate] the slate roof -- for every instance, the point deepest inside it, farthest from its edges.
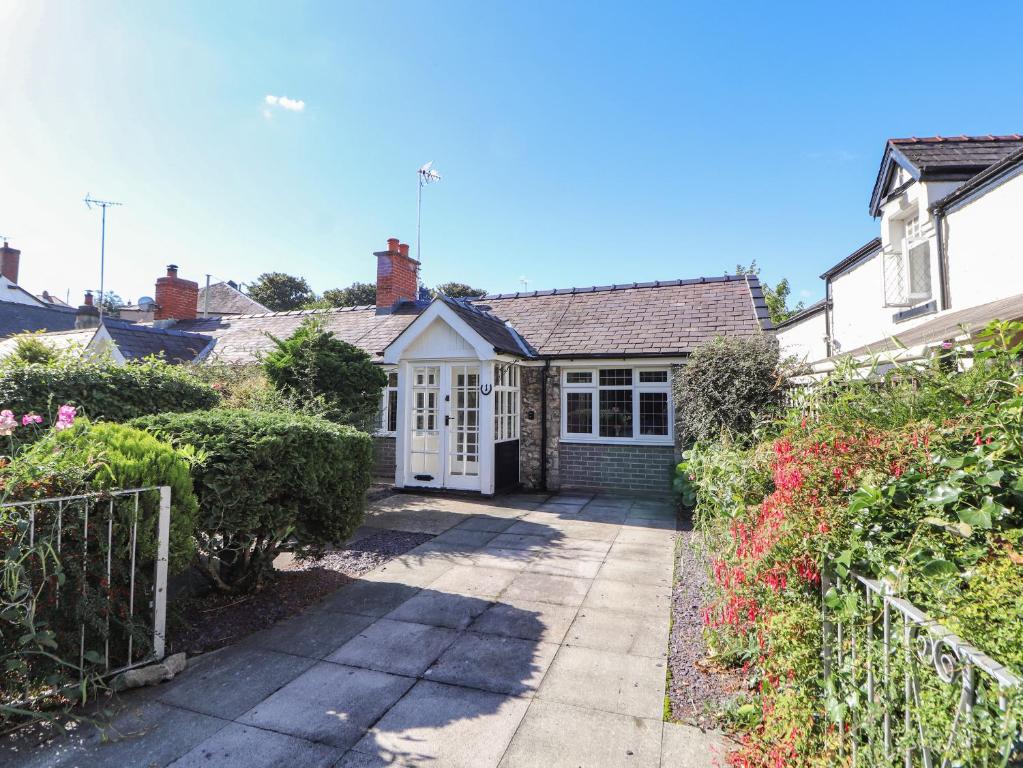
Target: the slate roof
(990, 176)
(491, 328)
(948, 326)
(666, 318)
(18, 318)
(241, 338)
(133, 341)
(637, 319)
(225, 299)
(58, 340)
(941, 158)
(138, 341)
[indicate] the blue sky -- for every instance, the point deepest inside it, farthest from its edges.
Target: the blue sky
(580, 143)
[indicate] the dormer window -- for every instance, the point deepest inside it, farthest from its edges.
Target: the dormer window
(907, 264)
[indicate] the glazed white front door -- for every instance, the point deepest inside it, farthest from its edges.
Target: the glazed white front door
(444, 426)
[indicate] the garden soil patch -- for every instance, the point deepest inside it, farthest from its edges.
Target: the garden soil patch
(699, 689)
(214, 620)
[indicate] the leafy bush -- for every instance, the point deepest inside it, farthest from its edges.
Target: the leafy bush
(728, 384)
(101, 389)
(52, 584)
(915, 479)
(269, 482)
(247, 386)
(324, 372)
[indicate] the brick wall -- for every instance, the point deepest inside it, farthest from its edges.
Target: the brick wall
(384, 451)
(10, 258)
(176, 298)
(644, 468)
(397, 275)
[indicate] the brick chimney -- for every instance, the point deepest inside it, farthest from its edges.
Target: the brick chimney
(397, 276)
(87, 315)
(9, 260)
(176, 298)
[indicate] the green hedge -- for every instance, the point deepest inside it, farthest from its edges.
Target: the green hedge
(269, 482)
(102, 390)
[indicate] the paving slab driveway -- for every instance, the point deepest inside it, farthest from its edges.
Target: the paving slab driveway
(531, 631)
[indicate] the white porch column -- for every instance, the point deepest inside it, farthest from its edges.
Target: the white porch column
(486, 427)
(402, 424)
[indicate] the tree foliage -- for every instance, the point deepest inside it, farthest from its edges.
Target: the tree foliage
(776, 296)
(268, 482)
(280, 292)
(355, 295)
(323, 371)
(459, 291)
(728, 384)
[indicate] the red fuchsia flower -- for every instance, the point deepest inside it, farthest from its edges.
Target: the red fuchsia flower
(977, 440)
(31, 418)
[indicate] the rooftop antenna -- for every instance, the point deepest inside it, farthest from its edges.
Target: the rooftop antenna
(103, 204)
(525, 283)
(427, 175)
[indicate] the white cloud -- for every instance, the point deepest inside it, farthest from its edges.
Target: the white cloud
(283, 102)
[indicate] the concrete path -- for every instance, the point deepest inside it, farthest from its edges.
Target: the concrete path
(531, 631)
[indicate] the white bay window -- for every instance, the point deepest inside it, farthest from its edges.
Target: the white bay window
(616, 405)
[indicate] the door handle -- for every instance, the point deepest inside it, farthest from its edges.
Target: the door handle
(447, 420)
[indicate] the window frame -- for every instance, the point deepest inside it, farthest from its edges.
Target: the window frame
(507, 402)
(385, 405)
(594, 388)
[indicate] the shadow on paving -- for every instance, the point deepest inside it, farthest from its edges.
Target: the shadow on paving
(417, 656)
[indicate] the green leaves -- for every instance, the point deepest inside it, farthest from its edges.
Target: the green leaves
(942, 494)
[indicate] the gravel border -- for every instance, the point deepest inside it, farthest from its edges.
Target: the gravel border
(698, 690)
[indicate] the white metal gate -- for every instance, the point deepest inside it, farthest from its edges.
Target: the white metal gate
(113, 547)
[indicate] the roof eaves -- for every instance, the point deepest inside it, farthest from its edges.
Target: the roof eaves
(869, 249)
(814, 309)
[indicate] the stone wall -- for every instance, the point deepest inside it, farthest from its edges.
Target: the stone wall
(531, 452)
(384, 449)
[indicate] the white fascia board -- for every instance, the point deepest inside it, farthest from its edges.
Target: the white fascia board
(438, 309)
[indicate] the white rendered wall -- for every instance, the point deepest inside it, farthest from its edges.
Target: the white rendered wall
(984, 246)
(804, 340)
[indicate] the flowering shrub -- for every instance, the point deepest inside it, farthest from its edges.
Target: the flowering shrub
(934, 505)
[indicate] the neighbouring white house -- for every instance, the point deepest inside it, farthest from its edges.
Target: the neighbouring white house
(946, 261)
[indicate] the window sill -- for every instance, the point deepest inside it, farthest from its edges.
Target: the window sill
(920, 310)
(589, 439)
(385, 434)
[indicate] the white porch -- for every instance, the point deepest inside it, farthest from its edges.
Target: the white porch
(457, 403)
